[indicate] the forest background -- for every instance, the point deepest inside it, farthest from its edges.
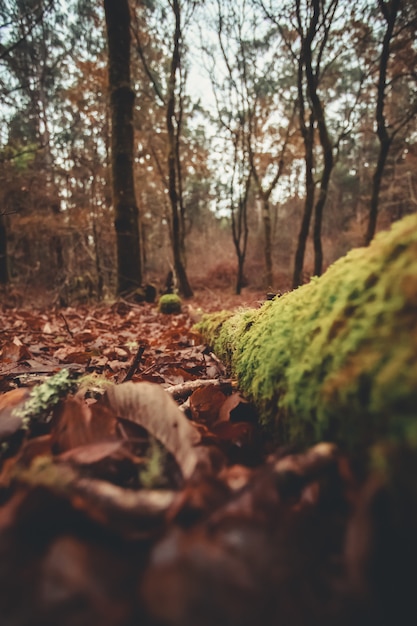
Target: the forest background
(264, 139)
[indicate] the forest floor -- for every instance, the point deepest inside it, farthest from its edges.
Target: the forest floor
(163, 504)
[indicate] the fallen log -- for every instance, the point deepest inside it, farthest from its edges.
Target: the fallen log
(335, 359)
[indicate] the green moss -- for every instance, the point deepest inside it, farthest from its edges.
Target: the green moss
(152, 476)
(335, 359)
(169, 303)
(45, 396)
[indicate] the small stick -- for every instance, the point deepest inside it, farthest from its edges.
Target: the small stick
(135, 363)
(69, 331)
(183, 390)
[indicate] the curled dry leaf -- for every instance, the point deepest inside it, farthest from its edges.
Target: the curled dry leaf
(153, 408)
(128, 511)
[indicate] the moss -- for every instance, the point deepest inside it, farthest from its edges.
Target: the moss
(335, 359)
(169, 303)
(152, 476)
(45, 396)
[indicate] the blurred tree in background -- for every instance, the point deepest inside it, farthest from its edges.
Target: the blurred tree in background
(268, 139)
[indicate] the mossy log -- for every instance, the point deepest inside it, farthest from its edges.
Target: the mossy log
(335, 359)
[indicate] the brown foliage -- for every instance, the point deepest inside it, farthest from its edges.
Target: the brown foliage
(232, 531)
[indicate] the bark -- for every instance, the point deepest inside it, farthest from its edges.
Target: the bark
(174, 182)
(240, 229)
(266, 215)
(239, 276)
(307, 132)
(389, 12)
(318, 219)
(325, 142)
(317, 113)
(240, 232)
(376, 188)
(308, 209)
(129, 262)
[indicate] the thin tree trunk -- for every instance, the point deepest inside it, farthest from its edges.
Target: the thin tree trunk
(376, 187)
(266, 215)
(240, 229)
(325, 142)
(129, 261)
(240, 232)
(308, 136)
(173, 173)
(389, 12)
(239, 276)
(318, 211)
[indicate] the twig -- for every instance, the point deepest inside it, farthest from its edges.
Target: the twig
(135, 363)
(183, 390)
(69, 331)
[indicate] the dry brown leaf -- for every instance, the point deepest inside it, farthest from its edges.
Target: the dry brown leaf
(14, 352)
(77, 424)
(153, 408)
(205, 404)
(92, 453)
(236, 409)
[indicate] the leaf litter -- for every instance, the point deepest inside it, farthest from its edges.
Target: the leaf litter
(137, 488)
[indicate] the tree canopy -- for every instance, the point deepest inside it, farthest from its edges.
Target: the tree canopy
(266, 139)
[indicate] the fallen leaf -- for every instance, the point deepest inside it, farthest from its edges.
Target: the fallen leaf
(153, 408)
(238, 433)
(177, 375)
(14, 352)
(205, 404)
(92, 453)
(237, 409)
(77, 423)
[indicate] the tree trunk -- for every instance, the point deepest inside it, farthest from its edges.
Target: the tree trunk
(174, 184)
(318, 211)
(266, 215)
(389, 12)
(308, 136)
(325, 142)
(129, 262)
(376, 187)
(240, 232)
(240, 229)
(239, 277)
